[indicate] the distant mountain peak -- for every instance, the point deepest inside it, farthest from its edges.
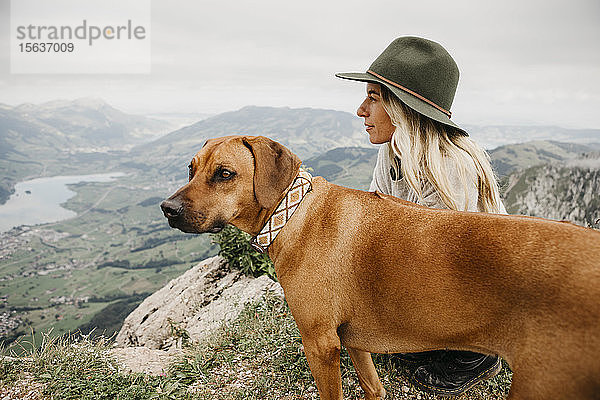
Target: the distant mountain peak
(255, 107)
(94, 103)
(306, 131)
(85, 123)
(511, 157)
(91, 102)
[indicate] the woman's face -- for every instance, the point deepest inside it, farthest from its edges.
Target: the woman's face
(377, 122)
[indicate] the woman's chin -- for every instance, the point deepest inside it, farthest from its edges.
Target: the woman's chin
(375, 140)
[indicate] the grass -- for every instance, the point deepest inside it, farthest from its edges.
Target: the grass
(257, 356)
(69, 368)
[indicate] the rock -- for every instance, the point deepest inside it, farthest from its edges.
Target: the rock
(560, 191)
(192, 306)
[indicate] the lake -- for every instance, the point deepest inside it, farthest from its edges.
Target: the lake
(38, 201)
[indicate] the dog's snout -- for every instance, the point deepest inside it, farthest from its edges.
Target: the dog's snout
(171, 208)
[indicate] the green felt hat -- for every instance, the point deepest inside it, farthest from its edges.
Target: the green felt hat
(419, 72)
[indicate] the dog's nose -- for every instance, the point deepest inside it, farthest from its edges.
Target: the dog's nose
(171, 208)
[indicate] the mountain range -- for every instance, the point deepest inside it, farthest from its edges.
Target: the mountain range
(40, 140)
(120, 247)
(509, 157)
(492, 136)
(308, 132)
(86, 124)
(36, 139)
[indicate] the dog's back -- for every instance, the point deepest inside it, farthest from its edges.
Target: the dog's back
(535, 281)
(522, 287)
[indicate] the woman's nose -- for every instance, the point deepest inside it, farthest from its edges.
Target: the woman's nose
(362, 111)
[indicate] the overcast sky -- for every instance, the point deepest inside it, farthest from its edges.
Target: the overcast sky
(521, 61)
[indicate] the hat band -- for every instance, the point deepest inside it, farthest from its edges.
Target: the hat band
(448, 113)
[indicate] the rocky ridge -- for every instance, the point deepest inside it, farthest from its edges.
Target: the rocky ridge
(567, 190)
(188, 309)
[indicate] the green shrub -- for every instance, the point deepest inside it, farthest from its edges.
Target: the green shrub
(236, 249)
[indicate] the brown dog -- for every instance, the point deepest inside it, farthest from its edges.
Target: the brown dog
(377, 274)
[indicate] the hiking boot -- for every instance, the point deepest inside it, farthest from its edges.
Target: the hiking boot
(455, 372)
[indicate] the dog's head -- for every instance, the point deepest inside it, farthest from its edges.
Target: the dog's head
(234, 180)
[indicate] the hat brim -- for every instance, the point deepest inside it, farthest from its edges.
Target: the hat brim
(413, 102)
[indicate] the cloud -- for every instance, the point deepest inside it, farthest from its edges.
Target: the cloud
(535, 61)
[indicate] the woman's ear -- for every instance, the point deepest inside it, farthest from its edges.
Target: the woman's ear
(275, 168)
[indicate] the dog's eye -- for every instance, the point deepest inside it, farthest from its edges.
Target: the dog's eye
(225, 174)
(190, 172)
(222, 174)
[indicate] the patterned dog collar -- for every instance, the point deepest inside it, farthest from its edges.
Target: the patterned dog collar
(282, 214)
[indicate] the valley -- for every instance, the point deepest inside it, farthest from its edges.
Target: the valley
(91, 270)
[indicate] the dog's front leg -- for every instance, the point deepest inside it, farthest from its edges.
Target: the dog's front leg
(367, 375)
(323, 353)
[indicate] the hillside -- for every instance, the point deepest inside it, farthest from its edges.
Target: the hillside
(56, 137)
(508, 158)
(346, 166)
(567, 190)
(89, 123)
(96, 267)
(308, 132)
(492, 136)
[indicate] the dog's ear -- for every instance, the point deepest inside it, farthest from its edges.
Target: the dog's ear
(275, 167)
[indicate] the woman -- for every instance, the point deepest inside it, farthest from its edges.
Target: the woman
(427, 159)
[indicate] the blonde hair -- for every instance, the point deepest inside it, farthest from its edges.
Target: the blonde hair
(423, 145)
